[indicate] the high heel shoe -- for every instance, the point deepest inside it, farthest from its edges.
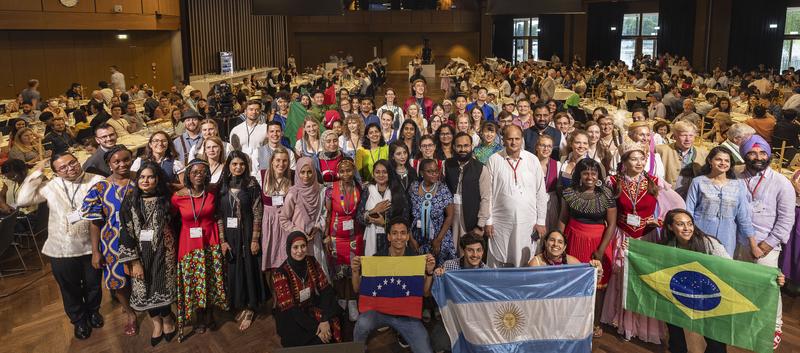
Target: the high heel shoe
(169, 336)
(154, 341)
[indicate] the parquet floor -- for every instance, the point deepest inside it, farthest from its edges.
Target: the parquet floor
(32, 319)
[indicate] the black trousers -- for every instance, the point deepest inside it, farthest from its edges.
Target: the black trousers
(80, 285)
(677, 342)
(162, 311)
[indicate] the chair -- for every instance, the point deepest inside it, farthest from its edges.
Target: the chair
(29, 233)
(7, 235)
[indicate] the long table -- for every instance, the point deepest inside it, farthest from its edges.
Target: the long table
(204, 83)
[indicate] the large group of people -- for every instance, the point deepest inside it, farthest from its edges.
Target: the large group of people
(220, 213)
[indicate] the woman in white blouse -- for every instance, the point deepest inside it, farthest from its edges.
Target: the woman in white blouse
(392, 107)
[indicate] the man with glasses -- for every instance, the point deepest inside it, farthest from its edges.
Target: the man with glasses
(106, 138)
(68, 243)
(541, 126)
(464, 173)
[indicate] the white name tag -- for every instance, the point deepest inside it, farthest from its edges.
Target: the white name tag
(277, 201)
(633, 220)
(457, 199)
(73, 217)
(419, 223)
(305, 294)
(232, 222)
(380, 230)
(195, 232)
(146, 235)
(347, 225)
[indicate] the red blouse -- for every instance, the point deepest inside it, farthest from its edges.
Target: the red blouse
(645, 205)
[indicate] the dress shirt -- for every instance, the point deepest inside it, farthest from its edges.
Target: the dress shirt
(773, 200)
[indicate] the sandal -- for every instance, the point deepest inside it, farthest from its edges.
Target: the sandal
(247, 320)
(598, 332)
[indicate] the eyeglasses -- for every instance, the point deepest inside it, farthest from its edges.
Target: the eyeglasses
(426, 145)
(72, 164)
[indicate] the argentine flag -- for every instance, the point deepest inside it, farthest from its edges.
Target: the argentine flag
(532, 309)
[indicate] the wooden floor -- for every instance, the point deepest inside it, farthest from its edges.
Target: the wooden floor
(32, 319)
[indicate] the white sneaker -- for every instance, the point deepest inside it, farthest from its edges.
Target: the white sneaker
(352, 308)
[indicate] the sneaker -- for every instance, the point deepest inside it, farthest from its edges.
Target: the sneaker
(383, 329)
(401, 341)
(777, 340)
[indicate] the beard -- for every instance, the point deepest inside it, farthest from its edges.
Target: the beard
(463, 157)
(756, 164)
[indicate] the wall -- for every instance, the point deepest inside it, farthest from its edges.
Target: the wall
(217, 25)
(90, 15)
(397, 35)
(58, 58)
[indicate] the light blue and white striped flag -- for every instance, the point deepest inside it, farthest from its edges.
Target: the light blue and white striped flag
(533, 309)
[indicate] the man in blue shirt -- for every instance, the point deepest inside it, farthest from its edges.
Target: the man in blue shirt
(488, 112)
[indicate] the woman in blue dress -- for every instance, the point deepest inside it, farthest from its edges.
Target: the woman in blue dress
(432, 214)
(101, 206)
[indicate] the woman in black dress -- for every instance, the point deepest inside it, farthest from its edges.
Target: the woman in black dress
(240, 211)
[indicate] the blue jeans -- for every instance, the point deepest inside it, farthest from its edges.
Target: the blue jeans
(411, 329)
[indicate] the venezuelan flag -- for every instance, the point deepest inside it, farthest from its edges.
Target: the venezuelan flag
(392, 285)
(729, 301)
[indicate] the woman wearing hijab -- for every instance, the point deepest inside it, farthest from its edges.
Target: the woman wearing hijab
(303, 209)
(240, 210)
(306, 310)
(200, 284)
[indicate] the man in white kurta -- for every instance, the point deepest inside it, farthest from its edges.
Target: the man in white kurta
(518, 203)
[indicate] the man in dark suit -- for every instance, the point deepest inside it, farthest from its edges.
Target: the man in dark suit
(541, 126)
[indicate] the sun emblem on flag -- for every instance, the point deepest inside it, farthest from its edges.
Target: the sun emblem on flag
(509, 320)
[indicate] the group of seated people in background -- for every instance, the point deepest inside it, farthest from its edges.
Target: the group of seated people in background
(223, 212)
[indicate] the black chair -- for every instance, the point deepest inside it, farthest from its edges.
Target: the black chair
(7, 242)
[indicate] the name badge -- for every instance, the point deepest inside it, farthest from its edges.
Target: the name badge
(633, 220)
(419, 223)
(232, 222)
(195, 232)
(146, 235)
(347, 225)
(277, 201)
(380, 230)
(457, 199)
(73, 217)
(305, 294)
(758, 207)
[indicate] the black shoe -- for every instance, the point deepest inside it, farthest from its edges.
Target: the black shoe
(401, 341)
(96, 320)
(154, 341)
(82, 330)
(169, 336)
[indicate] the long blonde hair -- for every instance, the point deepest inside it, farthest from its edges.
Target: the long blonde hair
(270, 184)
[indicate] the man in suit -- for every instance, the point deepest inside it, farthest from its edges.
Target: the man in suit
(682, 161)
(106, 138)
(541, 126)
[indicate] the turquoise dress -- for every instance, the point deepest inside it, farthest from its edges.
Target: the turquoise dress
(102, 203)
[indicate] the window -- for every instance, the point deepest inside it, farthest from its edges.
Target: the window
(790, 55)
(526, 39)
(639, 32)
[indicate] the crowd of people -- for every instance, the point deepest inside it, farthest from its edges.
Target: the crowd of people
(213, 215)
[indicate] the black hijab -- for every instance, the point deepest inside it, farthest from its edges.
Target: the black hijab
(299, 267)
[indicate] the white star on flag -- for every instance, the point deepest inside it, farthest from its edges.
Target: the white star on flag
(374, 293)
(385, 282)
(404, 286)
(379, 287)
(392, 280)
(408, 293)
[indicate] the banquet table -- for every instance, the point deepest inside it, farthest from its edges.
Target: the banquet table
(562, 94)
(632, 94)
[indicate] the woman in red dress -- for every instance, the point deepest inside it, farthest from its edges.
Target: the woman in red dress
(344, 236)
(636, 205)
(329, 158)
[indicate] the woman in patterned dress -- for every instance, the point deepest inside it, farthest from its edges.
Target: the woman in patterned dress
(306, 310)
(200, 272)
(147, 245)
(344, 237)
(432, 214)
(101, 206)
(636, 193)
(240, 208)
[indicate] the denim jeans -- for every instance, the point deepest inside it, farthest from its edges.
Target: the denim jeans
(411, 329)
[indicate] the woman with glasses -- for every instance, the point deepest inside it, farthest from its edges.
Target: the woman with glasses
(160, 151)
(200, 264)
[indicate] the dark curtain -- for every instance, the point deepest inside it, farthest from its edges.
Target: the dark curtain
(551, 37)
(502, 38)
(676, 21)
(603, 43)
(752, 41)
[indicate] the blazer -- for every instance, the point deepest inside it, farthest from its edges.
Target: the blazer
(673, 165)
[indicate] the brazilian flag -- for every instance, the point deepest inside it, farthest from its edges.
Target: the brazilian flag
(729, 301)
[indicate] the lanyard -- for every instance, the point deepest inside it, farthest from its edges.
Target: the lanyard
(342, 198)
(202, 204)
(72, 198)
(513, 167)
(148, 218)
(249, 132)
(753, 190)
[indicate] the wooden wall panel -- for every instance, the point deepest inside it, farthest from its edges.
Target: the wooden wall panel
(215, 26)
(128, 6)
(20, 5)
(55, 6)
(58, 58)
(170, 7)
(149, 6)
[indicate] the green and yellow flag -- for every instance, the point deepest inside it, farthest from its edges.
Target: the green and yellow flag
(294, 121)
(729, 301)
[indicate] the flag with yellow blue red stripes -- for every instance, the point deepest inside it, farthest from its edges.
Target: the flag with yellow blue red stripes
(733, 302)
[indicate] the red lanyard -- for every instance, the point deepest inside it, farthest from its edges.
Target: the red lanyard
(753, 191)
(513, 167)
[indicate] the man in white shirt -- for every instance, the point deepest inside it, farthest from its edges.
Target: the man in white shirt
(119, 123)
(518, 205)
(250, 135)
(117, 79)
(547, 89)
(68, 243)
